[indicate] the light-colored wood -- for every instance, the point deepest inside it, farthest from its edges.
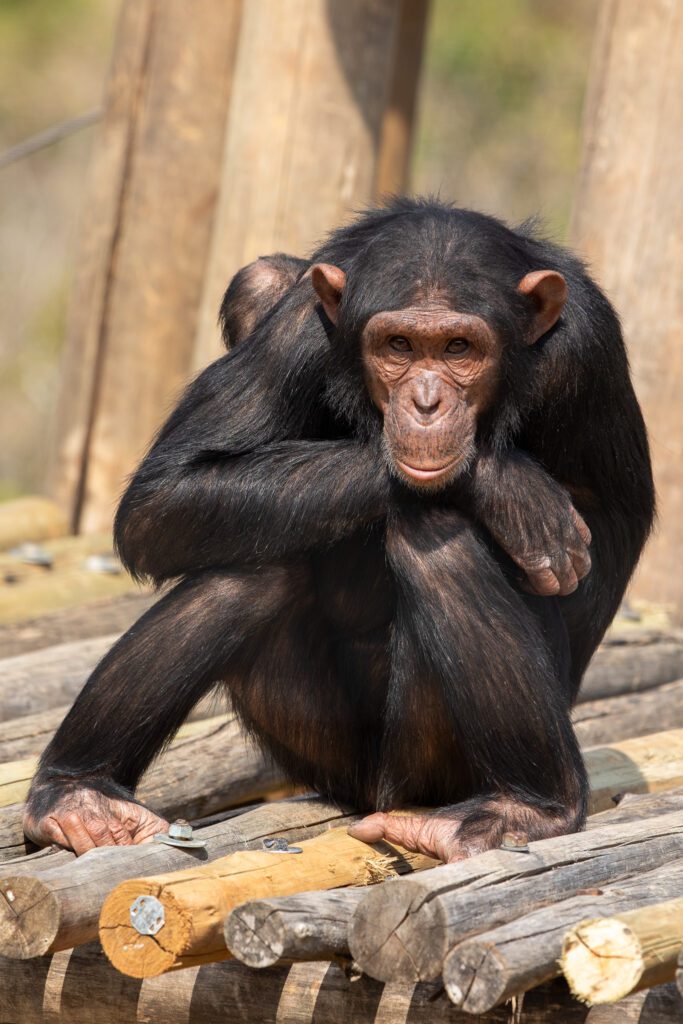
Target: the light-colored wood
(147, 221)
(31, 519)
(643, 764)
(403, 930)
(80, 986)
(487, 970)
(606, 958)
(67, 893)
(311, 77)
(306, 926)
(197, 901)
(209, 765)
(628, 221)
(393, 170)
(632, 714)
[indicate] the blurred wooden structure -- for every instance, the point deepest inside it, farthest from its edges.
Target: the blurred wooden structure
(231, 130)
(628, 221)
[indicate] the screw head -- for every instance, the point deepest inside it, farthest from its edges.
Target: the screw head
(518, 841)
(180, 829)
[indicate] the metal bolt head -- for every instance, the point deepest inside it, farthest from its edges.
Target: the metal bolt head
(180, 829)
(518, 841)
(147, 915)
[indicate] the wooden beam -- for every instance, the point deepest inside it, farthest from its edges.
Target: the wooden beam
(628, 221)
(606, 958)
(193, 904)
(311, 77)
(487, 970)
(147, 222)
(633, 714)
(643, 764)
(70, 894)
(31, 519)
(617, 669)
(403, 931)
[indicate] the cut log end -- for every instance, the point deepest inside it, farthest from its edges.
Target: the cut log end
(475, 977)
(602, 960)
(131, 951)
(29, 917)
(255, 935)
(377, 939)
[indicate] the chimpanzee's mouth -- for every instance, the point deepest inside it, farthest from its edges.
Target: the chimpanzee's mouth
(425, 475)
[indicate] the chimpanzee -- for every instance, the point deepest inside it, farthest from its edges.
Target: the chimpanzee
(378, 508)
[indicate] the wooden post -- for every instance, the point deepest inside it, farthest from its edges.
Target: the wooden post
(628, 221)
(312, 80)
(147, 222)
(606, 958)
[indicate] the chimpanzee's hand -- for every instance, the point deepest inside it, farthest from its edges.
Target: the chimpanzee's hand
(534, 521)
(81, 818)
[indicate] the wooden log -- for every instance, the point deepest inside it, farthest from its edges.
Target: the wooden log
(149, 214)
(306, 926)
(496, 965)
(210, 765)
(606, 958)
(629, 223)
(643, 764)
(32, 518)
(632, 667)
(310, 76)
(396, 145)
(193, 904)
(98, 618)
(63, 588)
(635, 714)
(79, 986)
(404, 930)
(72, 892)
(679, 973)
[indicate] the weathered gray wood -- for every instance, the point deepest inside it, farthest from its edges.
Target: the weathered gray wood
(54, 908)
(484, 971)
(639, 807)
(633, 714)
(79, 986)
(308, 926)
(95, 619)
(632, 667)
(403, 930)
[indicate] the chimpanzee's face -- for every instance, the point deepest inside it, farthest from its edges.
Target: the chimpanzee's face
(432, 371)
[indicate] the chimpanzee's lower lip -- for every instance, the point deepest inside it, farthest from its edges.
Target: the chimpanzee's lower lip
(426, 474)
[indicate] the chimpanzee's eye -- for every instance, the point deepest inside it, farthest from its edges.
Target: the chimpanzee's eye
(457, 346)
(400, 344)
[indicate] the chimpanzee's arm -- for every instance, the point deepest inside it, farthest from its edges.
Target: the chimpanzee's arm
(242, 472)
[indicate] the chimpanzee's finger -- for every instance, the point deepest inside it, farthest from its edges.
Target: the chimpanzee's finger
(100, 832)
(567, 577)
(582, 528)
(122, 836)
(544, 582)
(77, 835)
(50, 829)
(411, 831)
(581, 561)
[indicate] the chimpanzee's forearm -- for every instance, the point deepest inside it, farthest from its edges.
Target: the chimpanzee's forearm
(145, 687)
(254, 508)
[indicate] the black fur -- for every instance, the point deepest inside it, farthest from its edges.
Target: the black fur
(376, 642)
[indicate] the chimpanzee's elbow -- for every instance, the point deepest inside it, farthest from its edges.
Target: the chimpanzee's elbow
(136, 537)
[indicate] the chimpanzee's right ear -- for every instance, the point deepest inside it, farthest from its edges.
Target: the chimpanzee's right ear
(329, 282)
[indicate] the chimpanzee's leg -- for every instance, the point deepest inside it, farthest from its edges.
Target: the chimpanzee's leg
(478, 704)
(137, 698)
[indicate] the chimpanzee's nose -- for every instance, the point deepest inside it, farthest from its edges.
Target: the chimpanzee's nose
(426, 396)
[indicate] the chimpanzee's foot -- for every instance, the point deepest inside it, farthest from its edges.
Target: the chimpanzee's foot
(454, 833)
(82, 818)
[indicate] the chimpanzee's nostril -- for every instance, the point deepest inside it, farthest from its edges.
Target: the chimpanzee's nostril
(427, 409)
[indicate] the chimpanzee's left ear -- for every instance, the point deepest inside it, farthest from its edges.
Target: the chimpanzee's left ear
(548, 289)
(329, 282)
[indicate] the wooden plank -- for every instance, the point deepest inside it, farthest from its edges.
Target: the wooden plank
(80, 987)
(148, 216)
(306, 926)
(630, 668)
(107, 615)
(396, 145)
(403, 931)
(606, 958)
(629, 223)
(32, 518)
(66, 899)
(487, 970)
(633, 714)
(310, 77)
(193, 904)
(643, 764)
